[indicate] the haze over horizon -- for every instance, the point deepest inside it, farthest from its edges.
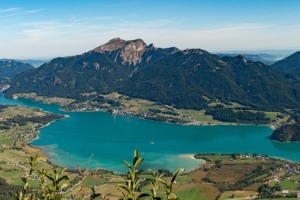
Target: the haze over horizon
(45, 29)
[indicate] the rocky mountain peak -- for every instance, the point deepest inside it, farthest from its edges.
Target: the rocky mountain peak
(129, 51)
(133, 51)
(111, 45)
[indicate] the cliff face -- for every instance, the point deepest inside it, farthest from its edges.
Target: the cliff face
(129, 52)
(133, 54)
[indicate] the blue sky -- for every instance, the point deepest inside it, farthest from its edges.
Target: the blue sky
(45, 29)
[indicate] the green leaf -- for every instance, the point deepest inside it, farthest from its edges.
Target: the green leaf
(138, 162)
(127, 164)
(64, 186)
(175, 175)
(136, 153)
(49, 177)
(160, 180)
(65, 177)
(138, 182)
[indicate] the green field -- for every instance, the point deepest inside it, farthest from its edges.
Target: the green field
(214, 179)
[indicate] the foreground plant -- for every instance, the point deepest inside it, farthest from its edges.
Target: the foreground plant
(52, 184)
(53, 189)
(169, 185)
(155, 181)
(131, 190)
(23, 194)
(133, 180)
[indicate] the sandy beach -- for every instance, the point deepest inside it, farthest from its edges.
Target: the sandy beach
(188, 156)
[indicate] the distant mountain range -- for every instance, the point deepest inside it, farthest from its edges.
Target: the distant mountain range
(267, 59)
(10, 68)
(34, 63)
(190, 78)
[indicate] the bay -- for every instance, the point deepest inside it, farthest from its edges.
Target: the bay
(109, 139)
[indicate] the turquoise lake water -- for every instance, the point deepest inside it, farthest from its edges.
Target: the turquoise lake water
(110, 139)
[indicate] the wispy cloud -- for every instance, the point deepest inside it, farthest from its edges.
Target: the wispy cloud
(11, 12)
(77, 35)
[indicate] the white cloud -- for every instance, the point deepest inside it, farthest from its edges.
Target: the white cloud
(61, 38)
(10, 12)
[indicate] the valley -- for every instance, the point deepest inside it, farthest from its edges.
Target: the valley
(190, 87)
(140, 100)
(222, 176)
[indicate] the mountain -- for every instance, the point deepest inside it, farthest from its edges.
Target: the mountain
(290, 64)
(10, 68)
(133, 54)
(34, 63)
(100, 70)
(190, 78)
(267, 59)
(186, 78)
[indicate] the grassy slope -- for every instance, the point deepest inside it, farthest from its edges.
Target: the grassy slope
(142, 107)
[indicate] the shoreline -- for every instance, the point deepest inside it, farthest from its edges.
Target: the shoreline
(48, 124)
(138, 115)
(198, 123)
(189, 156)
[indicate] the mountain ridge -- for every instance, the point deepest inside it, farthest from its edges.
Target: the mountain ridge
(10, 68)
(290, 64)
(181, 78)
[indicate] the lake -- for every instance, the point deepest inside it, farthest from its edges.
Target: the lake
(109, 139)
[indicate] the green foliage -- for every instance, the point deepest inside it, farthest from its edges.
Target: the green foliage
(266, 191)
(228, 115)
(134, 181)
(23, 194)
(21, 120)
(52, 186)
(183, 78)
(155, 180)
(169, 185)
(129, 190)
(288, 132)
